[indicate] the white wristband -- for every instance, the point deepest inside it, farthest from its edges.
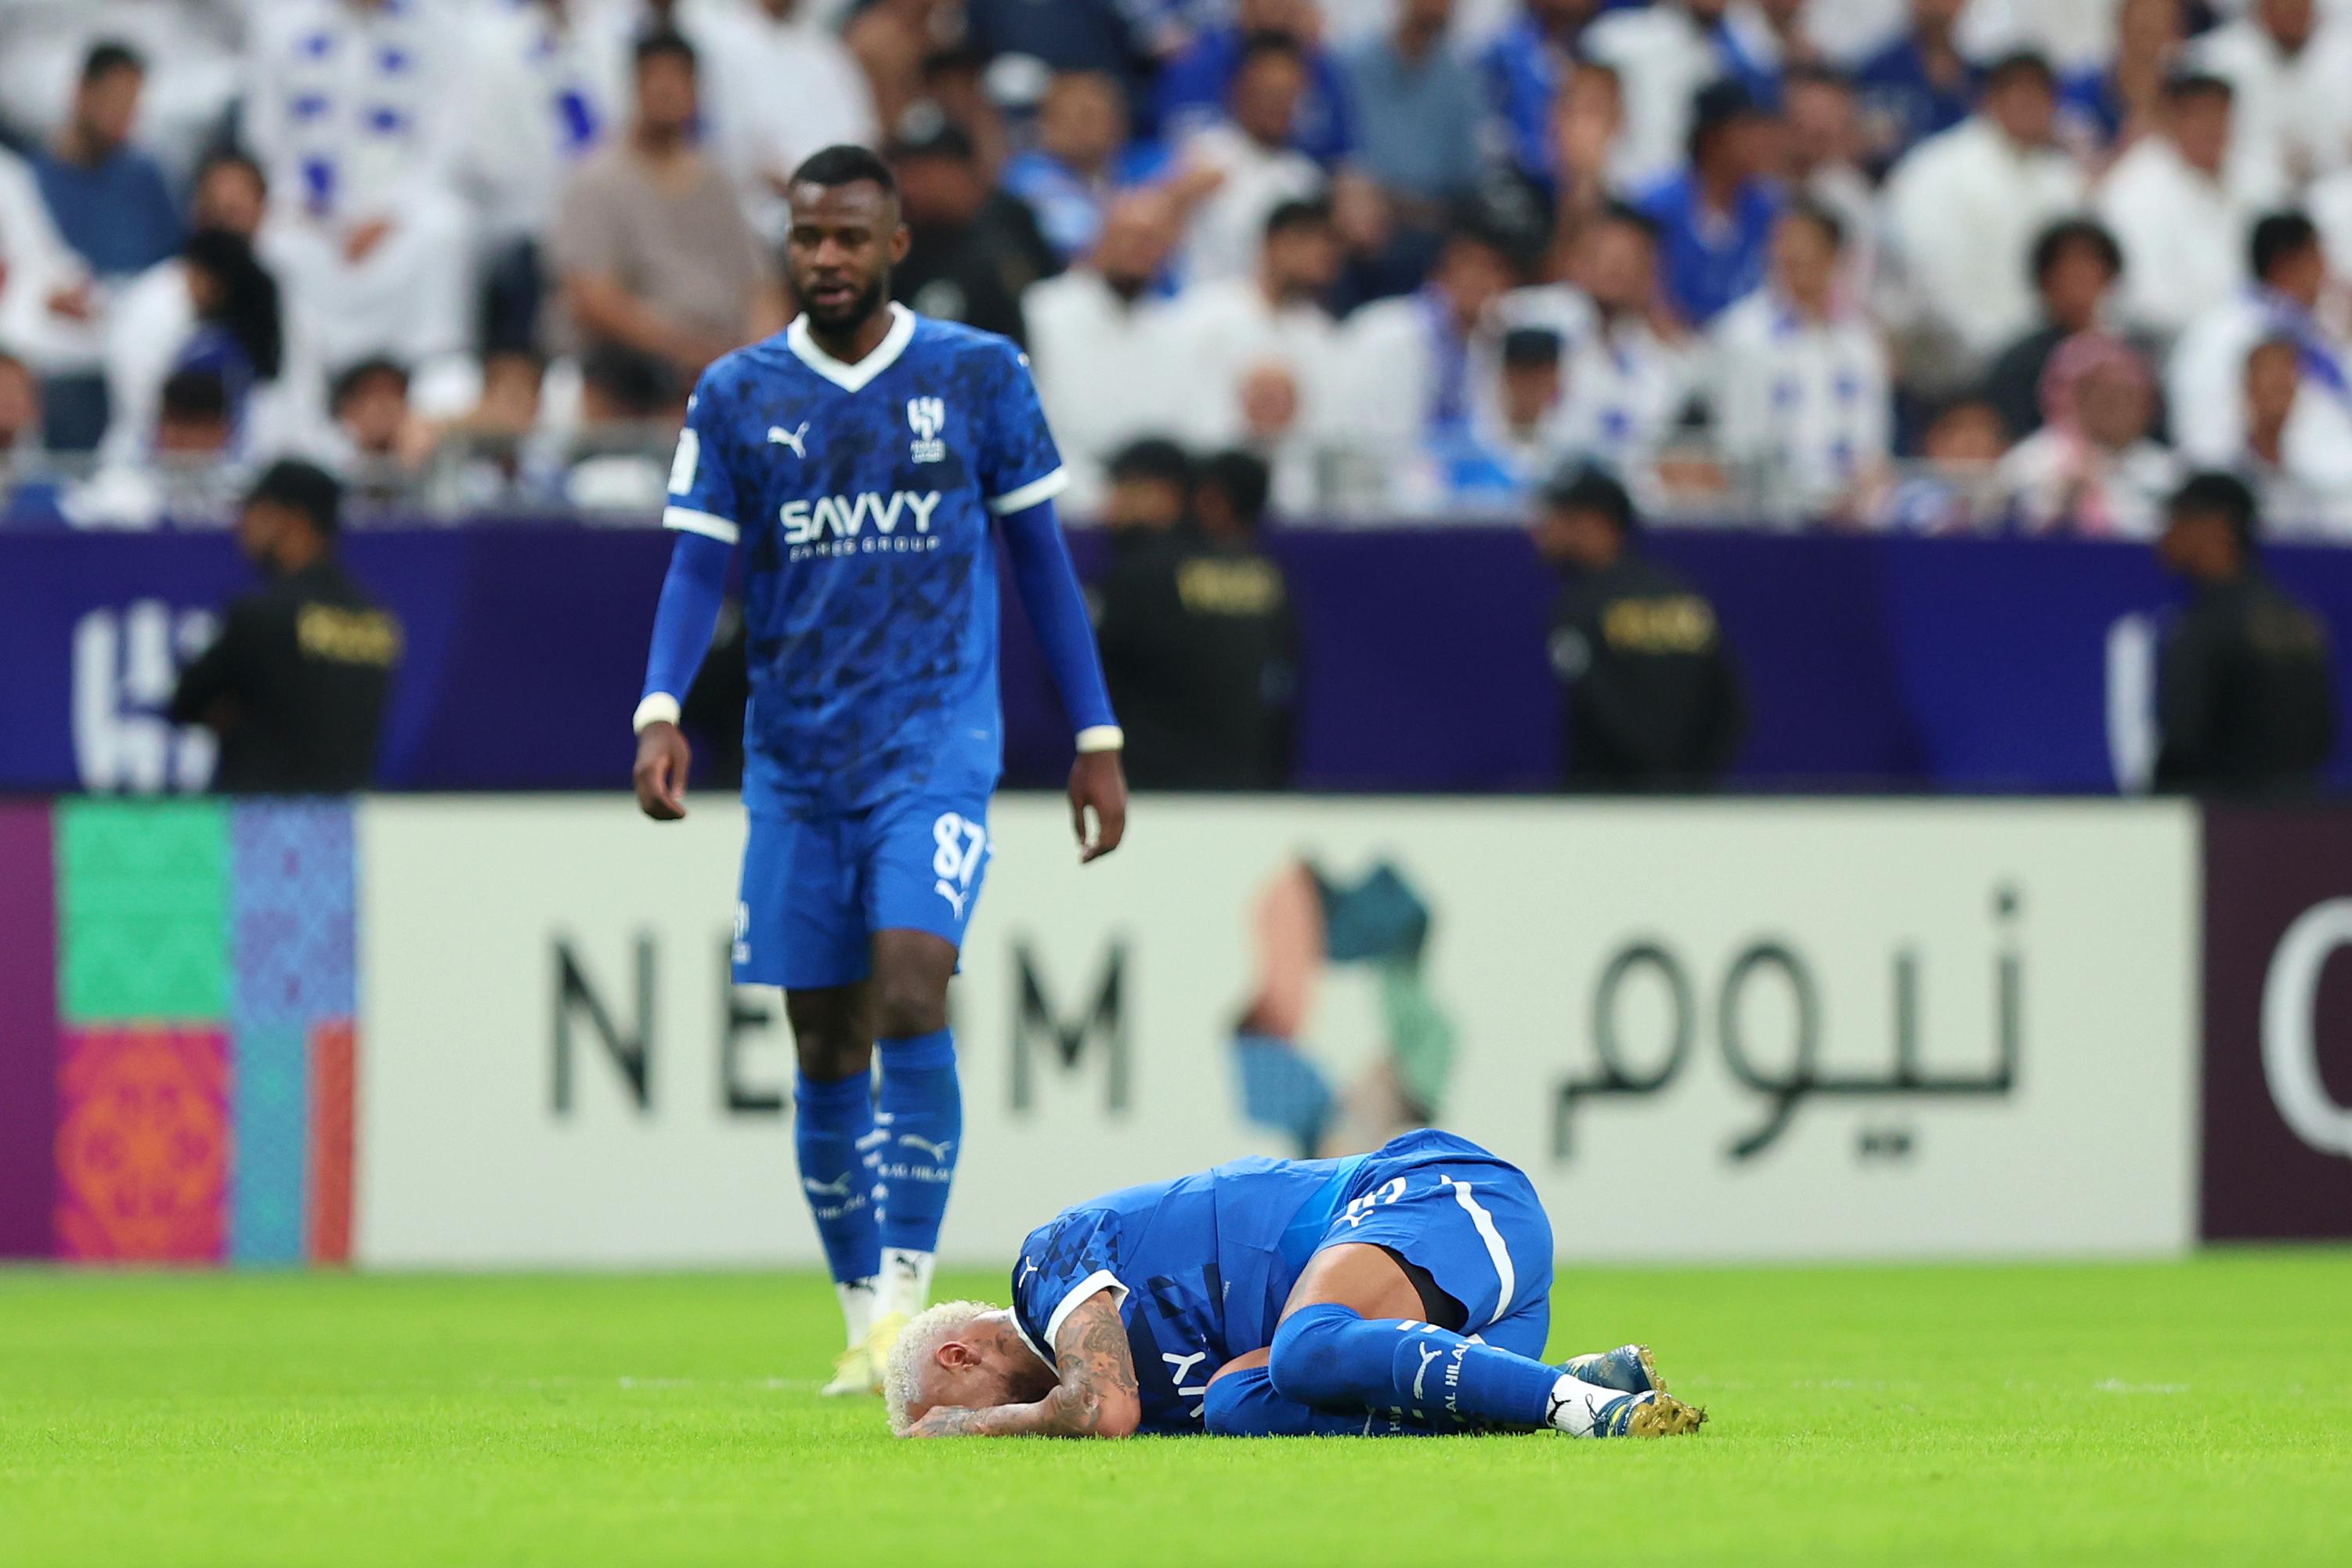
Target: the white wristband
(659, 707)
(1101, 738)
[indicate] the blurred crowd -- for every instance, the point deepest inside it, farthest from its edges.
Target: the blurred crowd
(1929, 264)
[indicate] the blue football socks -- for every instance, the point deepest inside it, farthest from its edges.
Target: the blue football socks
(832, 1118)
(1333, 1359)
(922, 1127)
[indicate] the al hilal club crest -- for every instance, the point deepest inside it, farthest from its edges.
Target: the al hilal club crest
(927, 417)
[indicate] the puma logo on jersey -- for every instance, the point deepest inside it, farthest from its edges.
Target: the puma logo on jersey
(833, 1189)
(846, 517)
(954, 895)
(938, 1152)
(780, 437)
(1426, 1357)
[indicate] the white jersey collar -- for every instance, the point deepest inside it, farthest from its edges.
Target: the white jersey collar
(853, 377)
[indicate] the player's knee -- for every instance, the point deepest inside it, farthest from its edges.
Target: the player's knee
(826, 1056)
(1304, 1360)
(908, 1005)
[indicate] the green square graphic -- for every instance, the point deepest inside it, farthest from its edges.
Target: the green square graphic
(142, 910)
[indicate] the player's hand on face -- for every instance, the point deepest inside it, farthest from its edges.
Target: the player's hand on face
(1098, 784)
(662, 758)
(936, 1422)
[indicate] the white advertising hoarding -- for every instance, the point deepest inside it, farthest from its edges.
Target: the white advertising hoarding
(1722, 1030)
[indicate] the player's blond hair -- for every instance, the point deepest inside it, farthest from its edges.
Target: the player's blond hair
(918, 1344)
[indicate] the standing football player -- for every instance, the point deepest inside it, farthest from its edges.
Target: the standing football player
(857, 458)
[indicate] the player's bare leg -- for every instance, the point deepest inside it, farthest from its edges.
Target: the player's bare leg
(1356, 1334)
(918, 1130)
(835, 1136)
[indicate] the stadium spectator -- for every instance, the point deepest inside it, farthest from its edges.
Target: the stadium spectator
(1585, 165)
(229, 192)
(650, 251)
(975, 248)
(1419, 103)
(2093, 467)
(1197, 642)
(1258, 352)
(1082, 160)
(1415, 366)
(1112, 36)
(1526, 68)
(381, 442)
(1954, 488)
(1822, 144)
(1800, 384)
(2298, 455)
(1665, 54)
(782, 85)
(1149, 493)
(1651, 700)
(213, 309)
(108, 199)
(629, 402)
(1198, 82)
(956, 86)
(217, 295)
(1515, 443)
(356, 109)
(1100, 343)
(2204, 379)
(1715, 218)
(2121, 99)
(891, 40)
(183, 472)
(297, 682)
(2245, 693)
(1916, 85)
(542, 100)
(1252, 155)
(1628, 381)
(1963, 210)
(2181, 204)
(189, 48)
(609, 31)
(2076, 263)
(2288, 68)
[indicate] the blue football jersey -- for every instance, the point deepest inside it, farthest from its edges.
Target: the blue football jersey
(861, 495)
(1201, 1267)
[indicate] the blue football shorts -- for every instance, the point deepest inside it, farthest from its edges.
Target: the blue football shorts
(816, 889)
(1471, 1220)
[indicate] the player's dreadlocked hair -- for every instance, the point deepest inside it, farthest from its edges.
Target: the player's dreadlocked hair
(842, 165)
(917, 1342)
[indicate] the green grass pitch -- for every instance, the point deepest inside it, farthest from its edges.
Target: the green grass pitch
(2199, 1413)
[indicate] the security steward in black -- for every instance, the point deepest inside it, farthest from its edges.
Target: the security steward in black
(296, 683)
(1652, 699)
(2246, 694)
(1199, 642)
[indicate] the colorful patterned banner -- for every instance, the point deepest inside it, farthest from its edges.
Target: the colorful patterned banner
(177, 1045)
(142, 1144)
(28, 1030)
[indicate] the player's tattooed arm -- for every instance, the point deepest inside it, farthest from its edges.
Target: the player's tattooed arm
(1097, 1395)
(1093, 1397)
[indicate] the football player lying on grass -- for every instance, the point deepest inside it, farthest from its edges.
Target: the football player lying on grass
(1401, 1293)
